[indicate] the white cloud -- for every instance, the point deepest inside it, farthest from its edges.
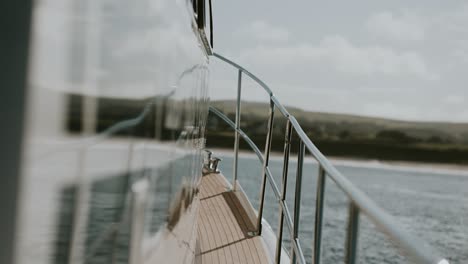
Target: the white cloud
(454, 99)
(261, 31)
(342, 56)
(454, 21)
(403, 28)
(413, 58)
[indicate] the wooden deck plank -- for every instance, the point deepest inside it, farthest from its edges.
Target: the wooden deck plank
(227, 235)
(233, 234)
(210, 217)
(231, 201)
(235, 245)
(238, 234)
(210, 226)
(221, 238)
(207, 236)
(224, 227)
(248, 226)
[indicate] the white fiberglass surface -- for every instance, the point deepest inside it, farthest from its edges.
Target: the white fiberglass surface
(117, 92)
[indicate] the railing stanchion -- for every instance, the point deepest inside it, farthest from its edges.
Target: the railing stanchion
(352, 234)
(265, 165)
(284, 183)
(319, 214)
(297, 196)
(236, 138)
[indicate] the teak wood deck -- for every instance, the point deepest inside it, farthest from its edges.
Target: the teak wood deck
(224, 226)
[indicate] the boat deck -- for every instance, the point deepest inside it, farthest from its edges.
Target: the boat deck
(224, 226)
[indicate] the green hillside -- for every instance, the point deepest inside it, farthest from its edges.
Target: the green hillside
(352, 135)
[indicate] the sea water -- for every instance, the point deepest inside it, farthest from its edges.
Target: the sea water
(427, 203)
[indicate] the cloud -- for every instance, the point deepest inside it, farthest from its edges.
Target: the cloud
(403, 28)
(454, 99)
(261, 31)
(454, 21)
(400, 63)
(339, 54)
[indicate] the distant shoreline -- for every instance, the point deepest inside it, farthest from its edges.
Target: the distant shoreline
(348, 136)
(459, 169)
(365, 150)
(445, 168)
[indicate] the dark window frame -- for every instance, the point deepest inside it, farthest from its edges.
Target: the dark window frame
(199, 10)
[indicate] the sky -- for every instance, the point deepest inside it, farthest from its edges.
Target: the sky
(396, 59)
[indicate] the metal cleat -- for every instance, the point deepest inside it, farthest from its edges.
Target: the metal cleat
(210, 164)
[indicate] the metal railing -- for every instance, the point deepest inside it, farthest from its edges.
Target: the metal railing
(359, 204)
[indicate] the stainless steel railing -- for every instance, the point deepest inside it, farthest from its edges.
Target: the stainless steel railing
(359, 204)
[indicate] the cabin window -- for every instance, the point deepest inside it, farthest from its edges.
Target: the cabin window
(200, 9)
(211, 23)
(199, 12)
